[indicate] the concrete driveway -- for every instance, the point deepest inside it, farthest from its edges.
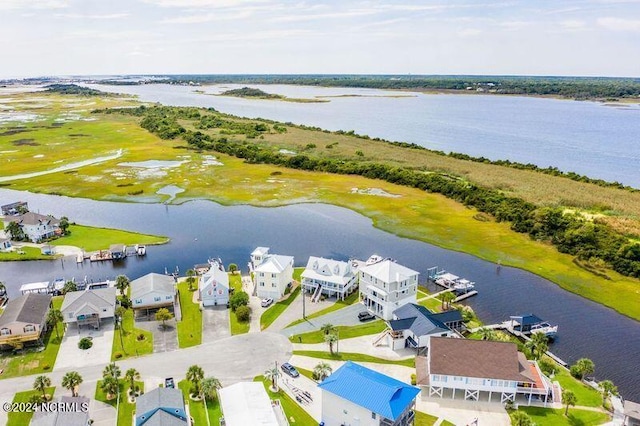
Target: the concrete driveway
(70, 355)
(165, 339)
(344, 316)
(294, 311)
(215, 323)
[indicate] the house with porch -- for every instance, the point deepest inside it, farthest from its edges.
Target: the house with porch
(161, 406)
(89, 308)
(152, 292)
(75, 413)
(329, 277)
(356, 395)
(386, 285)
(413, 324)
(24, 319)
(36, 227)
(480, 370)
(272, 273)
(213, 285)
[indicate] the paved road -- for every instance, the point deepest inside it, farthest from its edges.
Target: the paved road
(344, 316)
(294, 311)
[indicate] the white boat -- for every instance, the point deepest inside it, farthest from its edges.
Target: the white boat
(141, 250)
(374, 259)
(463, 285)
(58, 285)
(446, 279)
(551, 331)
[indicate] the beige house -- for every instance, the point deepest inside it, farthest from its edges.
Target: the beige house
(89, 307)
(152, 292)
(24, 319)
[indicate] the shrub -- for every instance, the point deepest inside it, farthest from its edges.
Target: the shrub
(117, 355)
(359, 153)
(548, 367)
(575, 372)
(413, 379)
(238, 299)
(243, 313)
(85, 343)
(140, 337)
(310, 146)
(46, 367)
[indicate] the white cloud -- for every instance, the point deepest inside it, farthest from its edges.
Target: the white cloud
(218, 4)
(33, 4)
(207, 17)
(81, 16)
(573, 24)
(469, 32)
(619, 24)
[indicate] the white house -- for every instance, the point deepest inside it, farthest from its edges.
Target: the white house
(36, 227)
(385, 286)
(213, 286)
(413, 324)
(153, 291)
(329, 277)
(247, 403)
(480, 370)
(355, 395)
(272, 273)
(89, 307)
(5, 244)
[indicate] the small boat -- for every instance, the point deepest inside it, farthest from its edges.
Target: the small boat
(551, 331)
(463, 286)
(529, 323)
(58, 285)
(374, 259)
(141, 250)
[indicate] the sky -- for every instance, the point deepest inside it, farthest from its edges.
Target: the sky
(530, 37)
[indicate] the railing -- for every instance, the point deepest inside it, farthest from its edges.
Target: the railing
(8, 339)
(534, 391)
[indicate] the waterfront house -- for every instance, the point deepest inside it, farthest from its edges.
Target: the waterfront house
(152, 292)
(75, 413)
(480, 370)
(272, 273)
(5, 244)
(36, 227)
(13, 209)
(24, 319)
(247, 403)
(385, 286)
(330, 277)
(631, 413)
(213, 285)
(413, 324)
(354, 394)
(89, 307)
(161, 406)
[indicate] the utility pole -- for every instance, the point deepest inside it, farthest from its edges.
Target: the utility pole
(303, 307)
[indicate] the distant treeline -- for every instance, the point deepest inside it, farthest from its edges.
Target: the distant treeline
(568, 87)
(594, 244)
(74, 89)
(249, 92)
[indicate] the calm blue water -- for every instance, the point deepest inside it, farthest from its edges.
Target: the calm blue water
(203, 229)
(589, 138)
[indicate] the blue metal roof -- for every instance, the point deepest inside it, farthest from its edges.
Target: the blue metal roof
(526, 319)
(374, 391)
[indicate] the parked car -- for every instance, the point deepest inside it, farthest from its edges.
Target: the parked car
(168, 383)
(289, 369)
(265, 303)
(366, 316)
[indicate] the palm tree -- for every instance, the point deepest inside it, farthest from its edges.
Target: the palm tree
(210, 386)
(69, 286)
(71, 380)
(331, 338)
(190, 278)
(568, 398)
(233, 268)
(327, 328)
(42, 383)
(272, 374)
(111, 370)
(486, 334)
(195, 374)
(110, 386)
(539, 344)
(322, 371)
(446, 299)
(15, 231)
(122, 282)
(131, 376)
(520, 418)
(585, 366)
(608, 389)
(53, 318)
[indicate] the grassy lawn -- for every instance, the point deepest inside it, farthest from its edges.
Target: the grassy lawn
(90, 239)
(296, 414)
(424, 419)
(190, 327)
(347, 356)
(421, 294)
(28, 253)
(132, 346)
(126, 409)
(270, 315)
(587, 396)
(33, 362)
(550, 417)
(196, 408)
(237, 327)
(349, 300)
(21, 419)
(433, 304)
(345, 332)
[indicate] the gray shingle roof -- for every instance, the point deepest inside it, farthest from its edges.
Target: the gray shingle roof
(29, 308)
(100, 298)
(63, 418)
(161, 406)
(31, 218)
(423, 322)
(152, 282)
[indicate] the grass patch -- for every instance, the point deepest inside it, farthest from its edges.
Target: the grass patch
(21, 419)
(296, 414)
(349, 300)
(190, 327)
(587, 396)
(424, 419)
(345, 332)
(270, 315)
(125, 408)
(433, 304)
(25, 253)
(576, 417)
(237, 327)
(347, 356)
(31, 361)
(130, 337)
(90, 238)
(196, 408)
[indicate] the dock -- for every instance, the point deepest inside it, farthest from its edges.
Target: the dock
(462, 287)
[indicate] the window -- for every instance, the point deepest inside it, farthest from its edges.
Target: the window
(139, 301)
(261, 284)
(273, 284)
(29, 328)
(71, 315)
(262, 274)
(168, 297)
(157, 298)
(104, 309)
(273, 275)
(373, 415)
(5, 332)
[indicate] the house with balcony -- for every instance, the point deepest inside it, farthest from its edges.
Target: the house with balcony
(386, 285)
(152, 292)
(89, 308)
(213, 285)
(329, 277)
(272, 273)
(356, 395)
(24, 319)
(247, 403)
(480, 370)
(36, 227)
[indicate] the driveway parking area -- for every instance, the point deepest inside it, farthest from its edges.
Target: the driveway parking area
(70, 355)
(215, 323)
(165, 339)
